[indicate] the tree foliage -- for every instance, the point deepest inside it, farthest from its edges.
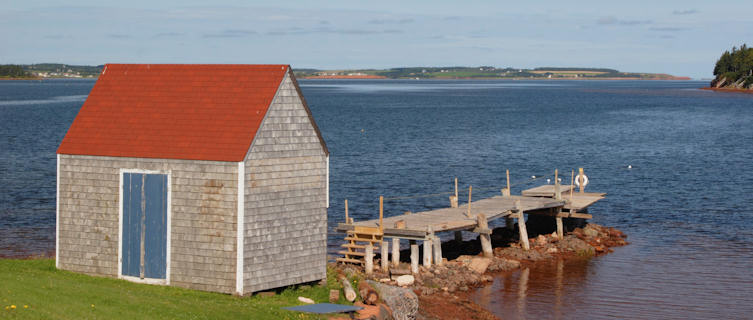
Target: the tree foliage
(12, 71)
(736, 65)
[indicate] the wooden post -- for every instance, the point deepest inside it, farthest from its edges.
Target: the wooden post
(381, 212)
(557, 194)
(580, 180)
(456, 187)
(400, 224)
(507, 173)
(437, 251)
(572, 188)
(560, 231)
(484, 235)
(470, 190)
(522, 227)
(395, 252)
(427, 247)
(413, 257)
(458, 236)
(369, 258)
(347, 220)
(385, 261)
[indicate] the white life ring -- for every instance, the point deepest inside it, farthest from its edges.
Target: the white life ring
(585, 180)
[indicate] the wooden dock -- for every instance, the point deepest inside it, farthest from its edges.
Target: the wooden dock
(473, 216)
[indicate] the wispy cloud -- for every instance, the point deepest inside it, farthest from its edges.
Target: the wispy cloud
(231, 33)
(299, 31)
(169, 34)
(620, 22)
(118, 36)
(685, 12)
(666, 29)
(391, 21)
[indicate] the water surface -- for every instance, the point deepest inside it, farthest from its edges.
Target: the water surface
(685, 204)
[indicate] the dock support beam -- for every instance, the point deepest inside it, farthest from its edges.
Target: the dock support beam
(484, 235)
(369, 258)
(437, 251)
(413, 257)
(522, 227)
(427, 249)
(395, 252)
(385, 260)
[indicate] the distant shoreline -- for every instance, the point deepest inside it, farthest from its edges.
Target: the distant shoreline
(484, 78)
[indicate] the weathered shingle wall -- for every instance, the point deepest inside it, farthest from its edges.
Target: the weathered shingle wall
(285, 200)
(204, 209)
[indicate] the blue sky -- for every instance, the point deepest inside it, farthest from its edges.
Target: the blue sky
(676, 37)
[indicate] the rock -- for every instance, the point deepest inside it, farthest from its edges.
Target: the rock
(385, 280)
(479, 264)
(551, 250)
(334, 295)
(541, 240)
(306, 300)
(377, 312)
(463, 288)
(590, 231)
(405, 280)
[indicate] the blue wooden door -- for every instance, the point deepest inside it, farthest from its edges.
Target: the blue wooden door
(144, 225)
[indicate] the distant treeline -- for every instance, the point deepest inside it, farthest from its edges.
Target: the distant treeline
(13, 71)
(734, 68)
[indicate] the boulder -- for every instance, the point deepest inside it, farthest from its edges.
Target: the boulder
(479, 264)
(405, 280)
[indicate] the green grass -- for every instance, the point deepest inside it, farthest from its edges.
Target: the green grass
(55, 294)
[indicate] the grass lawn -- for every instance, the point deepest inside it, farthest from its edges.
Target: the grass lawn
(39, 291)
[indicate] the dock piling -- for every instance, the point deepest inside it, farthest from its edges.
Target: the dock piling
(385, 260)
(413, 257)
(522, 227)
(470, 191)
(369, 258)
(427, 247)
(437, 251)
(484, 235)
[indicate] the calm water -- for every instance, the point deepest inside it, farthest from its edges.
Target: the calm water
(687, 203)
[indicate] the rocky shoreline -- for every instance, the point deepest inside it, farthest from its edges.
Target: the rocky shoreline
(443, 292)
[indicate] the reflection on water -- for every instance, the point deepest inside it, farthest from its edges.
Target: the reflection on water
(694, 278)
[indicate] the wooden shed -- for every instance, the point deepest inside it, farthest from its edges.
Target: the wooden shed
(211, 177)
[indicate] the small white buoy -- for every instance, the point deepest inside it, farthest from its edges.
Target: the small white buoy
(559, 179)
(630, 166)
(548, 180)
(533, 177)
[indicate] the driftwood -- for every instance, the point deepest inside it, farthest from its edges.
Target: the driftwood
(350, 294)
(368, 294)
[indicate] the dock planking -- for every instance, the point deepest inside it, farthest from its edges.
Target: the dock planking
(556, 200)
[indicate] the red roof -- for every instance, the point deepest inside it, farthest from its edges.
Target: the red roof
(196, 112)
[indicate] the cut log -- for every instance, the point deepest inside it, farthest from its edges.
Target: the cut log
(350, 294)
(368, 294)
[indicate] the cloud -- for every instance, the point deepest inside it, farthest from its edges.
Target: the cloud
(118, 36)
(619, 22)
(169, 34)
(666, 29)
(391, 21)
(684, 12)
(231, 33)
(322, 30)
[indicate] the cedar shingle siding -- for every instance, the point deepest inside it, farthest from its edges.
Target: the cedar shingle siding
(286, 214)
